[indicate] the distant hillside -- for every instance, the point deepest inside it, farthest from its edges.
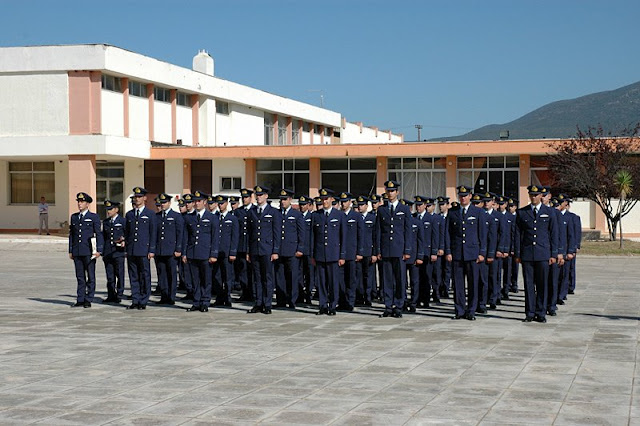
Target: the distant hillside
(614, 110)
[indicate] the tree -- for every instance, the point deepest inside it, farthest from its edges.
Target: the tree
(592, 165)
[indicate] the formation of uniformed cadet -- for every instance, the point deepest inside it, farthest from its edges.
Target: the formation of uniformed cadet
(414, 262)
(265, 236)
(466, 248)
(443, 266)
(536, 247)
(140, 242)
(422, 283)
(83, 226)
(432, 225)
(169, 229)
(352, 253)
(307, 275)
(114, 251)
(365, 269)
(510, 282)
(292, 247)
(328, 244)
(393, 248)
(228, 236)
(242, 269)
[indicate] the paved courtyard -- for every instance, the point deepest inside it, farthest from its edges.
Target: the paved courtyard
(107, 365)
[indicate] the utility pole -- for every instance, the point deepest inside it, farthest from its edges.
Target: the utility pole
(419, 127)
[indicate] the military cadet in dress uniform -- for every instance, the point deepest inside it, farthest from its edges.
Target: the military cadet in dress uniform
(500, 247)
(189, 207)
(114, 251)
(376, 291)
(241, 267)
(536, 247)
(416, 255)
(201, 239)
(441, 263)
(435, 246)
(169, 229)
(292, 247)
(465, 248)
(365, 269)
(504, 272)
(393, 248)
(82, 228)
(307, 276)
(420, 297)
(140, 243)
(515, 266)
(182, 207)
(328, 244)
(227, 251)
(352, 252)
(265, 236)
(577, 235)
(566, 237)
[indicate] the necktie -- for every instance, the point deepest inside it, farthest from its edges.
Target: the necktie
(259, 211)
(199, 217)
(535, 212)
(391, 209)
(137, 214)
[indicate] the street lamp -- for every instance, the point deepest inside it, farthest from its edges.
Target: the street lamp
(419, 127)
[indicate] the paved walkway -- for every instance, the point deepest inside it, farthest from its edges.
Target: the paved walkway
(106, 365)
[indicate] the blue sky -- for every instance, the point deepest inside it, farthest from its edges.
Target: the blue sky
(451, 66)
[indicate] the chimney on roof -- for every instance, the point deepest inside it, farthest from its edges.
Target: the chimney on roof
(203, 62)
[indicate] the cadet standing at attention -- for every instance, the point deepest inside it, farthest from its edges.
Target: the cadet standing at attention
(82, 227)
(170, 226)
(292, 243)
(227, 251)
(242, 269)
(353, 254)
(140, 242)
(307, 277)
(114, 251)
(365, 269)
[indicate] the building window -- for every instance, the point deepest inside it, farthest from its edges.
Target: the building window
(183, 99)
(111, 83)
(500, 175)
(306, 127)
(355, 175)
(230, 183)
(201, 175)
(295, 132)
(268, 128)
(109, 185)
(138, 89)
(539, 166)
(154, 176)
(281, 173)
(32, 180)
(161, 94)
(282, 130)
(419, 176)
(222, 107)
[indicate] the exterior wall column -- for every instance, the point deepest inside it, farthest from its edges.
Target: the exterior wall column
(85, 102)
(525, 178)
(151, 98)
(186, 176)
(82, 178)
(381, 174)
(249, 172)
(312, 130)
(314, 176)
(451, 178)
(125, 107)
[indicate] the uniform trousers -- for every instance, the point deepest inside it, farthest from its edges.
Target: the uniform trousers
(307, 277)
(287, 269)
(426, 281)
(114, 268)
(515, 267)
(243, 273)
(86, 276)
(328, 284)
(223, 278)
(572, 274)
(536, 277)
(414, 283)
(263, 273)
(553, 286)
(365, 277)
(395, 281)
(469, 269)
(505, 275)
(201, 276)
(446, 274)
(564, 279)
(348, 284)
(494, 280)
(166, 267)
(139, 278)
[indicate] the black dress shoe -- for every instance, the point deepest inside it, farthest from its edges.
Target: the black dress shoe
(133, 306)
(366, 303)
(514, 290)
(552, 313)
(499, 302)
(228, 304)
(255, 309)
(528, 319)
(332, 312)
(481, 310)
(193, 308)
(78, 305)
(538, 318)
(571, 292)
(492, 306)
(322, 311)
(142, 307)
(505, 296)
(412, 309)
(397, 314)
(560, 302)
(291, 306)
(204, 309)
(471, 317)
(386, 314)
(267, 311)
(457, 317)
(87, 304)
(170, 302)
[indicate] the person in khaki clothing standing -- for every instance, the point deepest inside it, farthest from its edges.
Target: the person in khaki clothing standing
(43, 216)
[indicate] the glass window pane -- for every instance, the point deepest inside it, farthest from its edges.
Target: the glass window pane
(301, 165)
(496, 162)
(409, 163)
(397, 176)
(101, 191)
(408, 182)
(440, 163)
(479, 162)
(237, 183)
(512, 161)
(495, 182)
(21, 190)
(225, 184)
(268, 165)
(272, 180)
(45, 166)
(363, 164)
(465, 163)
(20, 167)
(288, 164)
(511, 184)
(425, 163)
(465, 178)
(480, 184)
(44, 184)
(540, 177)
(438, 184)
(539, 161)
(288, 182)
(116, 190)
(301, 184)
(363, 183)
(424, 185)
(394, 163)
(334, 164)
(339, 182)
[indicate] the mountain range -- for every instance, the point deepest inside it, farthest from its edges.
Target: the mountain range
(614, 110)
